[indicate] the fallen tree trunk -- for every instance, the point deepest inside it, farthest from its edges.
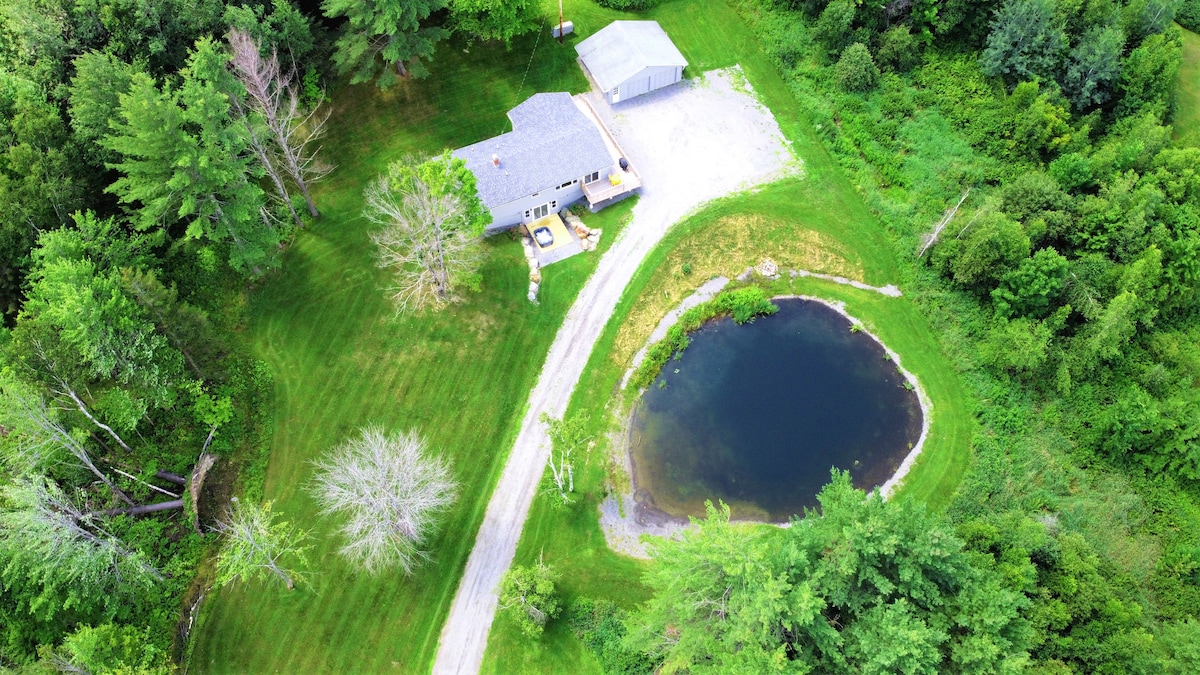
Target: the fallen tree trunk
(171, 477)
(141, 510)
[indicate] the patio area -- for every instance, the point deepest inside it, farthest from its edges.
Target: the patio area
(565, 244)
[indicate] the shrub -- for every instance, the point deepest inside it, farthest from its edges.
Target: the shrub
(833, 27)
(899, 49)
(856, 70)
(742, 304)
(1188, 15)
(600, 626)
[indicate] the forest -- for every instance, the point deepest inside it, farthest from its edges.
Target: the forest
(1028, 160)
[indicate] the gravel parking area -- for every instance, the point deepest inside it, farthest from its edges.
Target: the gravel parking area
(692, 142)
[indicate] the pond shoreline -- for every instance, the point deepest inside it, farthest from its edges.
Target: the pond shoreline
(625, 518)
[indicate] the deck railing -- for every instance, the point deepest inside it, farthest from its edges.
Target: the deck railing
(603, 189)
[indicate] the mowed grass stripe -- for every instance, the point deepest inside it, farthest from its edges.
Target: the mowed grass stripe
(1187, 116)
(462, 377)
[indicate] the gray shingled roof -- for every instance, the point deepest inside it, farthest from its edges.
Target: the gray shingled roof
(552, 142)
(623, 48)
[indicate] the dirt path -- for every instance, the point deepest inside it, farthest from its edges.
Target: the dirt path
(667, 135)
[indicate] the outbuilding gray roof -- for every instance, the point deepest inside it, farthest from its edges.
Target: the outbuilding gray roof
(552, 142)
(624, 48)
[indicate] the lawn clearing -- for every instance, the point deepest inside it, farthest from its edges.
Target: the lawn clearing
(1187, 116)
(817, 223)
(340, 361)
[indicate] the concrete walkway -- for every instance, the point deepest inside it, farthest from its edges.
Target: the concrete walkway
(671, 135)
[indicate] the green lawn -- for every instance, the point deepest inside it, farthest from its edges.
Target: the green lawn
(340, 361)
(462, 377)
(1187, 117)
(817, 222)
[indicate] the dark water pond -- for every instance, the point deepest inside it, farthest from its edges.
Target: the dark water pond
(757, 414)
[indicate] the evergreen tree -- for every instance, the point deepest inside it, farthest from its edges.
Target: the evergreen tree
(863, 586)
(383, 39)
(184, 161)
(1025, 43)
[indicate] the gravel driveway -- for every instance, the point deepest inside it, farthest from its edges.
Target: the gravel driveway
(692, 142)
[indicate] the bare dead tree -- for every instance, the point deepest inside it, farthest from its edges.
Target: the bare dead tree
(419, 244)
(274, 97)
(932, 237)
(41, 435)
(262, 149)
(391, 492)
(44, 522)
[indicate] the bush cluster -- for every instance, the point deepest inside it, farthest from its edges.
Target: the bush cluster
(742, 304)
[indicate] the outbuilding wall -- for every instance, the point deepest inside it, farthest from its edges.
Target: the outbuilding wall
(512, 214)
(645, 81)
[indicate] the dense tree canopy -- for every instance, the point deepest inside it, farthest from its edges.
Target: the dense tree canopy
(863, 585)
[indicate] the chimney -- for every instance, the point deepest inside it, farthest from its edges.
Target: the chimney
(496, 161)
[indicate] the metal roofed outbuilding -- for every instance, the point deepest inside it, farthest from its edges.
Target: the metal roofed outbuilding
(630, 58)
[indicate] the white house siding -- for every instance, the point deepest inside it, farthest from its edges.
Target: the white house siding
(645, 81)
(511, 214)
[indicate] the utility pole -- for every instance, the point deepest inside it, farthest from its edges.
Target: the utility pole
(561, 37)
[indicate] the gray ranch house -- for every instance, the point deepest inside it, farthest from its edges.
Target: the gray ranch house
(557, 153)
(630, 58)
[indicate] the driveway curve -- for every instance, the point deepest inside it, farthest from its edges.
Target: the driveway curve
(692, 142)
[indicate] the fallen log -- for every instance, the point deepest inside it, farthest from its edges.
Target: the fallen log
(171, 477)
(141, 510)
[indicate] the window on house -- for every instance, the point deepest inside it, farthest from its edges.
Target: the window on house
(541, 211)
(592, 177)
(567, 184)
(553, 204)
(526, 214)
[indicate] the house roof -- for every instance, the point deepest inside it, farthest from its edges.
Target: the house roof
(552, 142)
(623, 48)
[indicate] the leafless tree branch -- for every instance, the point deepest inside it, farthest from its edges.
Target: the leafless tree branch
(390, 491)
(425, 256)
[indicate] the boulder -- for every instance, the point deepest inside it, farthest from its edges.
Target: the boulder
(593, 237)
(535, 276)
(532, 297)
(533, 287)
(768, 268)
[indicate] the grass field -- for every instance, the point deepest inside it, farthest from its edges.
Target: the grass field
(818, 223)
(340, 361)
(1187, 116)
(462, 377)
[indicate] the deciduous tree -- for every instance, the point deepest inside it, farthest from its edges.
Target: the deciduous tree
(390, 491)
(500, 20)
(255, 545)
(527, 596)
(431, 220)
(566, 437)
